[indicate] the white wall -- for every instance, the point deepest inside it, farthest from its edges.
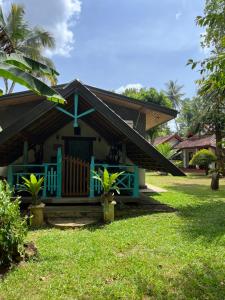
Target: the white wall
(100, 146)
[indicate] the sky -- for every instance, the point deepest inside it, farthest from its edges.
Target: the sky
(113, 44)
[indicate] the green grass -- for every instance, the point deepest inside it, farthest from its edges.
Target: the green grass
(177, 255)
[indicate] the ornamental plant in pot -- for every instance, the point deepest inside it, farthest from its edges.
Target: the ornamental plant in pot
(109, 185)
(33, 186)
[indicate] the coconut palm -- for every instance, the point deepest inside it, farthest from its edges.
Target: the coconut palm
(29, 41)
(173, 92)
(18, 68)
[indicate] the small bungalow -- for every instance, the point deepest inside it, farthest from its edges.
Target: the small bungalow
(193, 144)
(65, 143)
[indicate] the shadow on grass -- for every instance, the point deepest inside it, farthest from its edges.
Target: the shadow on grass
(205, 216)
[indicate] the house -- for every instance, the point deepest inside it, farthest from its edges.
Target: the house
(66, 143)
(172, 139)
(191, 145)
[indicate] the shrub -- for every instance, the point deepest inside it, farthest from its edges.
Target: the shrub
(178, 163)
(203, 158)
(166, 149)
(13, 228)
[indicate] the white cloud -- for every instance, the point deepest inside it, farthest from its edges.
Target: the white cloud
(121, 89)
(57, 16)
(178, 15)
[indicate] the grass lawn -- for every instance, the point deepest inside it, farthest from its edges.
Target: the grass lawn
(177, 255)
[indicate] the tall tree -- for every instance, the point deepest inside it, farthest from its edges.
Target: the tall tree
(153, 96)
(174, 93)
(18, 68)
(212, 81)
(29, 41)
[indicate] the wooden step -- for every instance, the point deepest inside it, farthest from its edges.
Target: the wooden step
(71, 223)
(75, 211)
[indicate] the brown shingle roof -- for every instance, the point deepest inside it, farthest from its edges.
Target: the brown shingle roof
(163, 139)
(198, 142)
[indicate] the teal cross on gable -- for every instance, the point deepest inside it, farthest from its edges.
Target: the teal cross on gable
(76, 116)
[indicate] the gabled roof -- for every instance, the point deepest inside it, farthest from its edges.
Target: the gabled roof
(43, 120)
(198, 142)
(164, 139)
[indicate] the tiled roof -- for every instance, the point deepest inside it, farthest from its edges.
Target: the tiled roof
(163, 139)
(198, 142)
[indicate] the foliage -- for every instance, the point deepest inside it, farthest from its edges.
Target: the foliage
(153, 96)
(173, 92)
(13, 228)
(212, 81)
(33, 186)
(29, 41)
(178, 163)
(189, 117)
(166, 150)
(149, 95)
(203, 158)
(108, 181)
(24, 70)
(176, 255)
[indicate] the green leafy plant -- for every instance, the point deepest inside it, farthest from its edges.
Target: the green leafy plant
(166, 150)
(33, 186)
(203, 158)
(13, 228)
(108, 182)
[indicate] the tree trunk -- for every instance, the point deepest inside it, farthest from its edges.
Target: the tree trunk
(215, 181)
(207, 170)
(219, 151)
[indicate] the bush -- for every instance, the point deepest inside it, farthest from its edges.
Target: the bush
(203, 158)
(13, 228)
(178, 163)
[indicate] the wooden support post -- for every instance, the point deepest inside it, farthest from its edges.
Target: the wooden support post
(44, 194)
(25, 153)
(76, 98)
(59, 173)
(136, 182)
(124, 153)
(92, 168)
(10, 176)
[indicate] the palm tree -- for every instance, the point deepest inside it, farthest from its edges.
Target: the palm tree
(173, 92)
(28, 41)
(19, 68)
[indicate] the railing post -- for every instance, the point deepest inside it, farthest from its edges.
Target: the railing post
(10, 176)
(44, 194)
(92, 168)
(136, 182)
(59, 173)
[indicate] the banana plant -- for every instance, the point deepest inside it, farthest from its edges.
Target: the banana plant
(108, 182)
(33, 186)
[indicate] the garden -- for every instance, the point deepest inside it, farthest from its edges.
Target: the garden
(176, 255)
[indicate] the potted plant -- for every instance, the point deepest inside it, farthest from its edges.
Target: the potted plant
(109, 185)
(33, 186)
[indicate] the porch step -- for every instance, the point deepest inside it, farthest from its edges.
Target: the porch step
(71, 223)
(75, 211)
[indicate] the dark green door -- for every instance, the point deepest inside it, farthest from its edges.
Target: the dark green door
(82, 149)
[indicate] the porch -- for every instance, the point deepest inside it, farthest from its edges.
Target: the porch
(70, 180)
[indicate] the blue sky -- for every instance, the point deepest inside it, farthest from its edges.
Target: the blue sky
(113, 43)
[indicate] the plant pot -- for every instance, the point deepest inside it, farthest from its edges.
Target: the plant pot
(109, 211)
(37, 212)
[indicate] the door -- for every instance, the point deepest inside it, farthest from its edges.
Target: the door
(76, 167)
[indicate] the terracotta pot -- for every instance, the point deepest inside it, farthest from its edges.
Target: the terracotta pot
(37, 212)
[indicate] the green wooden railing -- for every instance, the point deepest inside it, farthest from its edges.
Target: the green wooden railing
(128, 181)
(52, 173)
